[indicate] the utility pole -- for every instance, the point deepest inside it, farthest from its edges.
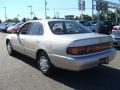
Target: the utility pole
(99, 9)
(117, 8)
(54, 13)
(5, 13)
(82, 9)
(45, 9)
(116, 15)
(92, 11)
(31, 12)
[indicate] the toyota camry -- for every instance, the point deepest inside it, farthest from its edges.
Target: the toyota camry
(62, 44)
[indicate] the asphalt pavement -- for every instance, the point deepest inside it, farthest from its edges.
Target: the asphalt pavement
(19, 72)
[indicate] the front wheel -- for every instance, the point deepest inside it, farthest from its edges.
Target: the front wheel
(44, 64)
(9, 48)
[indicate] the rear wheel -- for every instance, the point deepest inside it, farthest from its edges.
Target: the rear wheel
(44, 64)
(9, 48)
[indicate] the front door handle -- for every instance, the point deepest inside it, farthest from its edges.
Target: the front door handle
(37, 41)
(22, 39)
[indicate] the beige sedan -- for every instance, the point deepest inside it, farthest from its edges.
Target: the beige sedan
(63, 44)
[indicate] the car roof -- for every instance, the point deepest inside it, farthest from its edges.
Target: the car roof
(47, 20)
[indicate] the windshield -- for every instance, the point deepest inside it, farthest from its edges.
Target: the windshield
(67, 27)
(86, 23)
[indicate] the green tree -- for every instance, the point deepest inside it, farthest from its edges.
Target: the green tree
(9, 20)
(76, 18)
(48, 17)
(102, 10)
(16, 20)
(85, 17)
(111, 15)
(118, 14)
(35, 18)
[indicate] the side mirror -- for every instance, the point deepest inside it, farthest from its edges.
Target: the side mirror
(17, 32)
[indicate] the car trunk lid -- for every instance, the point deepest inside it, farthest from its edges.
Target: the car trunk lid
(88, 39)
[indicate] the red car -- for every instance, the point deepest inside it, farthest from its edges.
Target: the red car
(14, 28)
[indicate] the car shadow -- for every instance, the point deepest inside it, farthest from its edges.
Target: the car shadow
(98, 78)
(117, 48)
(25, 59)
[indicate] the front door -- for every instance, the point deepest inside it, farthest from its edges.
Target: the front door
(34, 39)
(19, 40)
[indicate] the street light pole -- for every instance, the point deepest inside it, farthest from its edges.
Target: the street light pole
(81, 9)
(45, 9)
(116, 15)
(31, 12)
(5, 13)
(92, 11)
(54, 13)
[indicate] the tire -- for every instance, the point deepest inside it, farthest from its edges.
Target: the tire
(9, 48)
(44, 64)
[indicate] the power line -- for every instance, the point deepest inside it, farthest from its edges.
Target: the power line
(66, 8)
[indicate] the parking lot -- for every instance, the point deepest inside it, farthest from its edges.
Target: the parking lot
(19, 72)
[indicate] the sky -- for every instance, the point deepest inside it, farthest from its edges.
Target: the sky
(20, 9)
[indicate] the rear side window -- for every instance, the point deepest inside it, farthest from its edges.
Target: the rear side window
(36, 29)
(67, 27)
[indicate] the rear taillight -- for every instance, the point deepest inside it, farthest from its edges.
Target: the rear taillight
(76, 50)
(88, 49)
(115, 28)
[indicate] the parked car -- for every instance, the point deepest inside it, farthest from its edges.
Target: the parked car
(61, 43)
(116, 35)
(85, 23)
(93, 22)
(103, 27)
(14, 28)
(3, 27)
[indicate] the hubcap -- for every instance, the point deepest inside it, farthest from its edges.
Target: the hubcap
(9, 48)
(44, 65)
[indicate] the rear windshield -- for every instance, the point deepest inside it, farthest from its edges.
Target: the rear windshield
(67, 27)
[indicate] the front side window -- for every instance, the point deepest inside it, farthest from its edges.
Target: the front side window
(24, 29)
(67, 27)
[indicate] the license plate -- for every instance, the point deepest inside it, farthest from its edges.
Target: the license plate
(104, 60)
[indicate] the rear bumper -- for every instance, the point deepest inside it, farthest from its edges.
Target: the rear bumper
(116, 41)
(82, 62)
